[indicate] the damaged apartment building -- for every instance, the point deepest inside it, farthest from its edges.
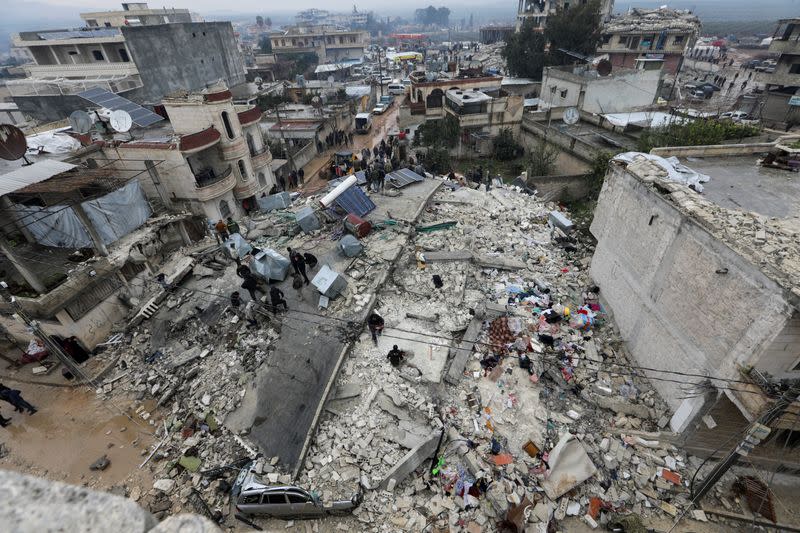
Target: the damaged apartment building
(79, 241)
(704, 284)
(123, 52)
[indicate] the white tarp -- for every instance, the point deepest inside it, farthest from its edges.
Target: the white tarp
(269, 264)
(113, 216)
(52, 142)
(676, 171)
(570, 466)
(118, 213)
(645, 119)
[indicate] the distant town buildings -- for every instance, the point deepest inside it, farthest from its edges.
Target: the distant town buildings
(782, 97)
(537, 11)
(316, 17)
(328, 42)
(123, 52)
(649, 33)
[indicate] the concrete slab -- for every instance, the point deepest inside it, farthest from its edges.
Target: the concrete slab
(423, 350)
(448, 255)
(464, 349)
(412, 460)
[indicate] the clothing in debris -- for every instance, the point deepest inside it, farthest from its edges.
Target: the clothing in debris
(375, 323)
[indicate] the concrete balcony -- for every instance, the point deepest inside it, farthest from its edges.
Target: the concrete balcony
(790, 46)
(195, 142)
(781, 78)
(472, 121)
(61, 86)
(234, 149)
(25, 42)
(249, 116)
(246, 189)
(81, 69)
(210, 185)
(261, 158)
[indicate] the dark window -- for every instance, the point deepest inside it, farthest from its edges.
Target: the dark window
(606, 38)
(250, 498)
(794, 69)
(108, 24)
(224, 209)
(242, 170)
(123, 55)
(227, 123)
(194, 34)
(262, 180)
(91, 163)
(98, 55)
(72, 53)
(563, 93)
(275, 498)
(678, 39)
(297, 498)
(91, 23)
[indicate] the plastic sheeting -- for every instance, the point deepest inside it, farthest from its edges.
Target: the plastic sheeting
(238, 243)
(118, 213)
(676, 171)
(56, 225)
(269, 264)
(52, 142)
(570, 466)
(282, 200)
(307, 220)
(350, 246)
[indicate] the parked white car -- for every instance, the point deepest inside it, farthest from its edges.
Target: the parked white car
(380, 109)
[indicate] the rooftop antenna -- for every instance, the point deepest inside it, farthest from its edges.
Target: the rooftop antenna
(13, 144)
(80, 122)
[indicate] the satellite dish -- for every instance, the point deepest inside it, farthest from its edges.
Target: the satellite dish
(13, 143)
(80, 121)
(316, 102)
(571, 116)
(604, 67)
(257, 80)
(120, 120)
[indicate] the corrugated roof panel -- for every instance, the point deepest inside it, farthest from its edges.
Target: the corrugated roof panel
(401, 178)
(30, 174)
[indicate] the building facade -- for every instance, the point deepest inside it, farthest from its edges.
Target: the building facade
(329, 43)
(781, 107)
(649, 34)
(214, 162)
(141, 62)
(135, 14)
(537, 11)
(622, 90)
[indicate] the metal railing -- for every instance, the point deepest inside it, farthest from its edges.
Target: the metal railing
(208, 177)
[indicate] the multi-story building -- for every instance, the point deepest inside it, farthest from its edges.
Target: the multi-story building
(649, 33)
(135, 14)
(537, 11)
(483, 113)
(141, 62)
(329, 43)
(781, 106)
(211, 159)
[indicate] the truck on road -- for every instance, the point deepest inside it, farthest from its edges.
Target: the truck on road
(363, 122)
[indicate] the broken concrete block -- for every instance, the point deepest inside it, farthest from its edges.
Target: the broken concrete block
(329, 282)
(570, 466)
(412, 460)
(561, 222)
(164, 485)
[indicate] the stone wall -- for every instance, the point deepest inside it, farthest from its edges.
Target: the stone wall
(683, 300)
(562, 188)
(714, 150)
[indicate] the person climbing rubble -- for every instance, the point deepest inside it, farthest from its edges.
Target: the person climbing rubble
(233, 226)
(276, 297)
(251, 284)
(297, 285)
(222, 230)
(14, 397)
(311, 260)
(375, 323)
(396, 356)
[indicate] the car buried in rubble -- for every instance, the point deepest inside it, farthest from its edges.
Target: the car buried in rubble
(251, 497)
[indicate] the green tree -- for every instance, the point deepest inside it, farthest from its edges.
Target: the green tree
(436, 159)
(693, 133)
(599, 168)
(576, 29)
(542, 160)
(505, 147)
(524, 52)
(441, 133)
(265, 45)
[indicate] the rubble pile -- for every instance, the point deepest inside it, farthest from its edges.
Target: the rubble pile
(547, 413)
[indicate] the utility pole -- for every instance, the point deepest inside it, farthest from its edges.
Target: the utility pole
(774, 412)
(380, 71)
(51, 345)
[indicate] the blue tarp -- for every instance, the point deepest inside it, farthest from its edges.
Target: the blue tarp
(355, 201)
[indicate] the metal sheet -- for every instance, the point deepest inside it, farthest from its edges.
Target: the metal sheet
(403, 177)
(141, 117)
(355, 201)
(24, 176)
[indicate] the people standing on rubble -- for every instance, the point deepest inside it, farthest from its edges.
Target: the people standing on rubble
(251, 284)
(375, 323)
(14, 397)
(233, 226)
(311, 260)
(368, 175)
(222, 229)
(297, 285)
(236, 299)
(301, 176)
(395, 356)
(298, 263)
(276, 297)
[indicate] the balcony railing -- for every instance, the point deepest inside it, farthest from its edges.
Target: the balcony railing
(258, 151)
(83, 70)
(207, 177)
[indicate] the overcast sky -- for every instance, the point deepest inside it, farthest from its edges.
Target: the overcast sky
(252, 6)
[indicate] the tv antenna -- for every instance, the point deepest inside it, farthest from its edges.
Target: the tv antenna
(13, 144)
(80, 121)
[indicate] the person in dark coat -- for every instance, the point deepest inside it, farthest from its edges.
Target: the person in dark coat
(14, 397)
(276, 295)
(311, 260)
(395, 356)
(375, 324)
(251, 284)
(299, 264)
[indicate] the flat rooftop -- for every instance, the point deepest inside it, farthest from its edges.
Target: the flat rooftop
(741, 183)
